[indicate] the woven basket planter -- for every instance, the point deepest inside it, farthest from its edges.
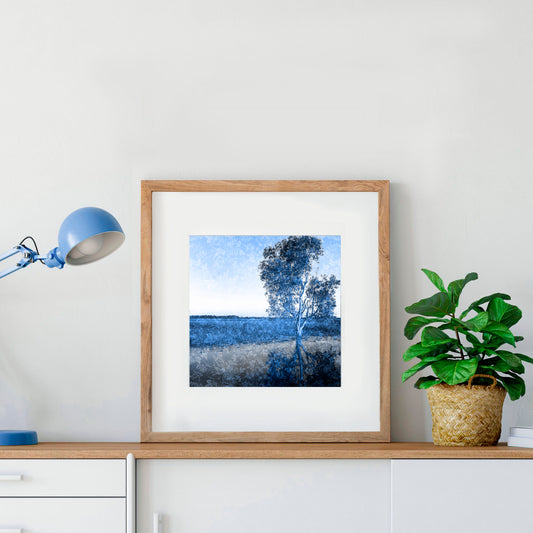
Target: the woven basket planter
(466, 415)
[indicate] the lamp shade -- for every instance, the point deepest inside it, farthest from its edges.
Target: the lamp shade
(89, 234)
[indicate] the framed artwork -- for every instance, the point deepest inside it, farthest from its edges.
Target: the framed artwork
(265, 311)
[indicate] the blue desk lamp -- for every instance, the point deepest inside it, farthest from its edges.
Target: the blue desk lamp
(86, 235)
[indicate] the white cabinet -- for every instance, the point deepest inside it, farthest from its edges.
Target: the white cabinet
(260, 496)
(463, 496)
(67, 495)
(355, 495)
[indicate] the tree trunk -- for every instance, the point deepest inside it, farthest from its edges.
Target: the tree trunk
(299, 357)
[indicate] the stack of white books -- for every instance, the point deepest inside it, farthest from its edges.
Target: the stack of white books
(521, 437)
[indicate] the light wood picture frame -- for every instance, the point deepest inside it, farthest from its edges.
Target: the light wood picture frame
(182, 224)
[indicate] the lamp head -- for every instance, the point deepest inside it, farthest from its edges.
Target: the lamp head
(88, 234)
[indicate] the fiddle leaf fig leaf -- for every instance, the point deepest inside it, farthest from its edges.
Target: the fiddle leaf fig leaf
(514, 385)
(448, 326)
(478, 322)
(511, 316)
(501, 331)
(435, 279)
(493, 364)
(455, 372)
(432, 336)
(474, 341)
(417, 350)
(496, 309)
(455, 288)
(426, 382)
(436, 306)
(525, 358)
(416, 323)
(512, 360)
(482, 301)
(501, 311)
(421, 365)
(504, 313)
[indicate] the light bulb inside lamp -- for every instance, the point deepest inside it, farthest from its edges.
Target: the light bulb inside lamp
(88, 247)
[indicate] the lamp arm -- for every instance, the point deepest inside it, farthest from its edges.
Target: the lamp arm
(11, 252)
(29, 256)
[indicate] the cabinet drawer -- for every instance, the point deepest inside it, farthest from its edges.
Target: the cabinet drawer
(62, 477)
(63, 515)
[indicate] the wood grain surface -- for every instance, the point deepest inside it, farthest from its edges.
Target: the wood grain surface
(258, 450)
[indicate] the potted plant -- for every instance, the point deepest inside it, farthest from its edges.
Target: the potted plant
(461, 347)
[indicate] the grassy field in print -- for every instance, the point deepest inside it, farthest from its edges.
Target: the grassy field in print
(259, 352)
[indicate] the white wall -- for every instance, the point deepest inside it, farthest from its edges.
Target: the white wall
(95, 96)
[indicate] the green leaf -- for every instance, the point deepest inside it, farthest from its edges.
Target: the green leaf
(514, 385)
(432, 336)
(421, 365)
(519, 370)
(511, 316)
(493, 363)
(494, 342)
(512, 360)
(435, 279)
(512, 363)
(437, 306)
(426, 382)
(496, 309)
(478, 322)
(474, 341)
(455, 288)
(447, 325)
(525, 358)
(506, 314)
(501, 311)
(455, 372)
(517, 338)
(501, 331)
(471, 350)
(415, 323)
(483, 300)
(417, 350)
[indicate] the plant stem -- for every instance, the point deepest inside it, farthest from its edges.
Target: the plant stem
(452, 315)
(459, 343)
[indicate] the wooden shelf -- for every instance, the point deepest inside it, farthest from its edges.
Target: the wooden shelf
(394, 450)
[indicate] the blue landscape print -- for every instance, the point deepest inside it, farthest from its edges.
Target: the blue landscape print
(265, 310)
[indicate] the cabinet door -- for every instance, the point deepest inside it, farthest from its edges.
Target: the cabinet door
(260, 496)
(463, 496)
(63, 515)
